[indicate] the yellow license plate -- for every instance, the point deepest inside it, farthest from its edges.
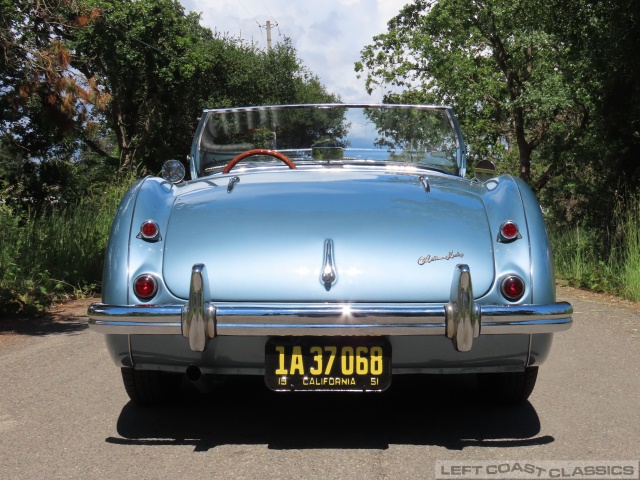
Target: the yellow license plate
(328, 363)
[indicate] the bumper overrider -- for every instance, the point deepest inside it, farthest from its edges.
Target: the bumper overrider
(461, 319)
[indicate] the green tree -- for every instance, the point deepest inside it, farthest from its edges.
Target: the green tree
(496, 62)
(126, 81)
(41, 99)
(158, 68)
(603, 41)
(146, 58)
(241, 74)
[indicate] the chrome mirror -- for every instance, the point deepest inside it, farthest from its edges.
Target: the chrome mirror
(485, 169)
(173, 171)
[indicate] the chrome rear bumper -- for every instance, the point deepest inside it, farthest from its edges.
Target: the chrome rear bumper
(461, 319)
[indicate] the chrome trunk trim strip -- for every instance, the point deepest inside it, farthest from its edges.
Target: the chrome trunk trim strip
(328, 269)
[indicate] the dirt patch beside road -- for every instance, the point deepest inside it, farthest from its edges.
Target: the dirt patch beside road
(604, 298)
(67, 317)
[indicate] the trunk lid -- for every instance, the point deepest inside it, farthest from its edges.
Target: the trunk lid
(392, 240)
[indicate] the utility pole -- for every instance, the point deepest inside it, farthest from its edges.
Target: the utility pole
(269, 34)
(268, 26)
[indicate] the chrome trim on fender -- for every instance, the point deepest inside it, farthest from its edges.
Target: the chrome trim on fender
(528, 362)
(461, 319)
(131, 361)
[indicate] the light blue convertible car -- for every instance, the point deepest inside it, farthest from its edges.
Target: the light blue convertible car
(328, 247)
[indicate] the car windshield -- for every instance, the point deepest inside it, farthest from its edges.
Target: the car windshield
(422, 136)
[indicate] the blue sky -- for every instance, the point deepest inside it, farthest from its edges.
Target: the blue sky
(328, 35)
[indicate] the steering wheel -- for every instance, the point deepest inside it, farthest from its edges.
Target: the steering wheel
(258, 151)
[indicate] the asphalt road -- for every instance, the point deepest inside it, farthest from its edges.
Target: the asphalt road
(64, 414)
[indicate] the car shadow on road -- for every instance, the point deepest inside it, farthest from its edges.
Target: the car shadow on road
(416, 410)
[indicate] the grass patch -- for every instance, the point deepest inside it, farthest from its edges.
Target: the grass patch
(59, 253)
(630, 269)
(602, 260)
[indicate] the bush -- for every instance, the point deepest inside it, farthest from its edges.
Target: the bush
(56, 254)
(606, 260)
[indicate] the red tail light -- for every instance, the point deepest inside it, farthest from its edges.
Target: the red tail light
(150, 230)
(512, 288)
(145, 287)
(509, 231)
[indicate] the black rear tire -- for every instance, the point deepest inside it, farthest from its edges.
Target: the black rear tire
(150, 387)
(509, 388)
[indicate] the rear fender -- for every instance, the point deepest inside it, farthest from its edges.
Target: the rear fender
(543, 281)
(154, 202)
(115, 276)
(542, 271)
(147, 199)
(503, 202)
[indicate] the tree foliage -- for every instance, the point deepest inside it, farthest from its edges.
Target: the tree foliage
(41, 98)
(548, 89)
(160, 68)
(495, 61)
(146, 57)
(603, 40)
(120, 84)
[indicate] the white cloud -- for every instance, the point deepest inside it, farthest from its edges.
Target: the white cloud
(328, 35)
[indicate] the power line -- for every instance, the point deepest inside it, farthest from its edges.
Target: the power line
(260, 27)
(272, 18)
(265, 7)
(245, 8)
